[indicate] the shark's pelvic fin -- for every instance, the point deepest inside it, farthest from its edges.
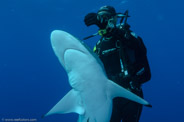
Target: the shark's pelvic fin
(71, 102)
(114, 90)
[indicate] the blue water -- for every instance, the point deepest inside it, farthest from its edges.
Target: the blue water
(32, 81)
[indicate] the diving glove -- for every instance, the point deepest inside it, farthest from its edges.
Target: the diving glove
(91, 19)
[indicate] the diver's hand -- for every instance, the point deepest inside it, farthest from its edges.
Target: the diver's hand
(135, 82)
(91, 19)
(119, 34)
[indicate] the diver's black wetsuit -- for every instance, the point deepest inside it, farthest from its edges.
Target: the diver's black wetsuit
(123, 47)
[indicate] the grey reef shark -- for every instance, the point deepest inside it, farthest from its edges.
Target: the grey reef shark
(92, 92)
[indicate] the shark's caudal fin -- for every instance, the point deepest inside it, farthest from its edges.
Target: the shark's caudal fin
(115, 90)
(69, 103)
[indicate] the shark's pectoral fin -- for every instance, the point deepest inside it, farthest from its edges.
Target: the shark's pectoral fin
(71, 102)
(114, 90)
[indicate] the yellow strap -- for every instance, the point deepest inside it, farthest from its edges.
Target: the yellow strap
(94, 49)
(102, 32)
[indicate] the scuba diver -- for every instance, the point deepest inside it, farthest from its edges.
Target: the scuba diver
(124, 56)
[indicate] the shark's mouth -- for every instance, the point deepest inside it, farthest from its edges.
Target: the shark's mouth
(72, 53)
(81, 51)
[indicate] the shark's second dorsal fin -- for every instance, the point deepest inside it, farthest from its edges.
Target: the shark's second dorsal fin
(71, 102)
(114, 90)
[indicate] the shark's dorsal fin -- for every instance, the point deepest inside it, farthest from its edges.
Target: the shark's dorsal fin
(114, 90)
(71, 102)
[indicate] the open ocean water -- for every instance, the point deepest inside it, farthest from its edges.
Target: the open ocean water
(32, 80)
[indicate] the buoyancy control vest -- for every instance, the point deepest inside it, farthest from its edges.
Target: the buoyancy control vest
(123, 51)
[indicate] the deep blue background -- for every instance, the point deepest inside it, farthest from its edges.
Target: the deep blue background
(32, 81)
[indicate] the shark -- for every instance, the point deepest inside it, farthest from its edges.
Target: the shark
(91, 91)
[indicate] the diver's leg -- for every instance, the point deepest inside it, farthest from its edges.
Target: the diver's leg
(116, 113)
(132, 111)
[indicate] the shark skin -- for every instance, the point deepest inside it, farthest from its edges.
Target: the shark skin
(92, 92)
